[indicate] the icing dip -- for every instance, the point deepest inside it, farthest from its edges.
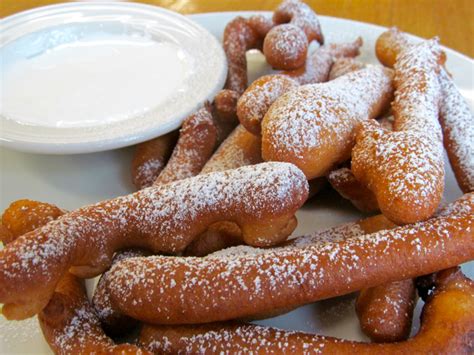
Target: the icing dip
(92, 81)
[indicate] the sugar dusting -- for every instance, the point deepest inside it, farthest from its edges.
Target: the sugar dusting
(406, 167)
(302, 16)
(286, 42)
(413, 171)
(417, 94)
(321, 115)
(165, 218)
(458, 129)
(210, 286)
(241, 339)
(241, 148)
(147, 172)
(256, 100)
(196, 142)
(76, 335)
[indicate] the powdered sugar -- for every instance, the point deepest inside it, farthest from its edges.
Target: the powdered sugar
(217, 288)
(241, 148)
(255, 101)
(284, 44)
(165, 218)
(405, 162)
(234, 339)
(300, 15)
(195, 145)
(418, 92)
(458, 129)
(312, 118)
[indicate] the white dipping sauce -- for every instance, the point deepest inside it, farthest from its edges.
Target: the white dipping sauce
(93, 81)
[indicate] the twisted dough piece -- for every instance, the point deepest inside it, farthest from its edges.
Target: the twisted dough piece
(170, 290)
(320, 62)
(286, 45)
(196, 143)
(150, 158)
(262, 93)
(385, 312)
(339, 233)
(454, 113)
(164, 218)
(68, 322)
(446, 328)
(23, 216)
(405, 168)
(241, 35)
(241, 148)
(70, 325)
(314, 126)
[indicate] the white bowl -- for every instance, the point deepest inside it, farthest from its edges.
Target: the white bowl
(55, 116)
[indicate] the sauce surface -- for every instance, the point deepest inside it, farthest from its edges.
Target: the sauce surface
(92, 81)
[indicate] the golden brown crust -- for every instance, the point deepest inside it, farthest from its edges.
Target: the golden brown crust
(457, 123)
(242, 285)
(5, 235)
(286, 44)
(196, 143)
(70, 325)
(23, 216)
(386, 311)
(241, 35)
(405, 168)
(68, 322)
(150, 159)
(454, 113)
(263, 92)
(285, 47)
(164, 218)
(241, 148)
(313, 126)
(259, 96)
(218, 236)
(447, 325)
(391, 43)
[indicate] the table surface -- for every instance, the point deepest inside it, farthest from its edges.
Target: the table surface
(451, 20)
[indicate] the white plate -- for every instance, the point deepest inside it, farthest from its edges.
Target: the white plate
(74, 181)
(200, 72)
